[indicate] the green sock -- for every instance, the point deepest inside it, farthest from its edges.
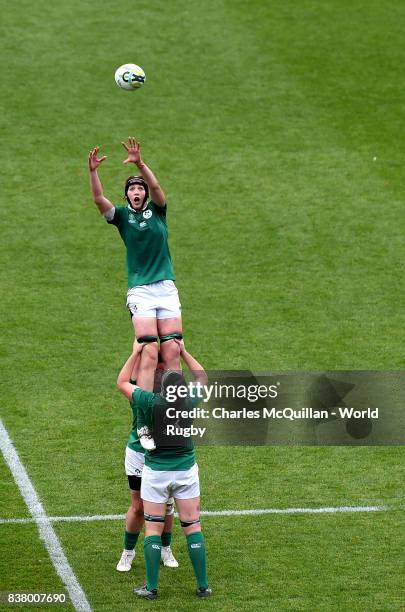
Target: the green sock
(151, 547)
(166, 538)
(130, 540)
(196, 551)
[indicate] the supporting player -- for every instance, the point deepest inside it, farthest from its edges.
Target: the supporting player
(152, 296)
(134, 462)
(168, 471)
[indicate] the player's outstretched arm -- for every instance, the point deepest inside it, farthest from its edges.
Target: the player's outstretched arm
(133, 149)
(95, 184)
(193, 365)
(123, 381)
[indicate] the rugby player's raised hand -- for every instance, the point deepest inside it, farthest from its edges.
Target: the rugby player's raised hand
(133, 149)
(193, 365)
(181, 345)
(138, 347)
(94, 160)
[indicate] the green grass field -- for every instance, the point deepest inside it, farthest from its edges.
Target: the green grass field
(275, 129)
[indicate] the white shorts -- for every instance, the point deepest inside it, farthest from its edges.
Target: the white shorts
(134, 465)
(158, 486)
(134, 462)
(157, 300)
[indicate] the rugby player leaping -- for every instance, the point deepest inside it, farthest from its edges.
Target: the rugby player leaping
(152, 296)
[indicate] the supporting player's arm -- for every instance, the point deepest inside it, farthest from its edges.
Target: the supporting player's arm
(133, 149)
(124, 377)
(103, 204)
(193, 365)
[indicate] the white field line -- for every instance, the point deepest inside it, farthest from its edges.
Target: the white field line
(256, 512)
(43, 522)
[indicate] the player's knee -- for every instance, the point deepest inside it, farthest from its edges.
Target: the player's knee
(136, 506)
(173, 336)
(154, 518)
(190, 525)
(170, 351)
(150, 356)
(136, 510)
(135, 514)
(154, 524)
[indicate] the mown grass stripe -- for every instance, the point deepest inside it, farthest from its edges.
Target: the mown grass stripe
(44, 523)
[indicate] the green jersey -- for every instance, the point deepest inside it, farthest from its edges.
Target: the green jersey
(146, 239)
(133, 440)
(164, 458)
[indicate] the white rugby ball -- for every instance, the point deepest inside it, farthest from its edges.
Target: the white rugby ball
(130, 77)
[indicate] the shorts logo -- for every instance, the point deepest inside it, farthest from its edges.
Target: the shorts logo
(147, 214)
(138, 472)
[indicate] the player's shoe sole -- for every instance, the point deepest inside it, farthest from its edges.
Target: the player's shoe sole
(142, 591)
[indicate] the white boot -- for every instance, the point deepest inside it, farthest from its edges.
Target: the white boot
(124, 564)
(167, 557)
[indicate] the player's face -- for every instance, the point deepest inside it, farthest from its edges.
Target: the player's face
(136, 195)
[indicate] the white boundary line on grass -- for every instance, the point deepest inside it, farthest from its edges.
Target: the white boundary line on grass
(256, 512)
(43, 522)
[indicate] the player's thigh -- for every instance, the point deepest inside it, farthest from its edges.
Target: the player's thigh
(136, 501)
(154, 509)
(155, 515)
(142, 304)
(186, 492)
(144, 326)
(134, 463)
(155, 486)
(169, 326)
(188, 509)
(167, 301)
(170, 350)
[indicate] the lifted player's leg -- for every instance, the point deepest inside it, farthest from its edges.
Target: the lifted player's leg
(148, 361)
(146, 331)
(169, 330)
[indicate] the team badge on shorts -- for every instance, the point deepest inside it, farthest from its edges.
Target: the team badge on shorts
(147, 214)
